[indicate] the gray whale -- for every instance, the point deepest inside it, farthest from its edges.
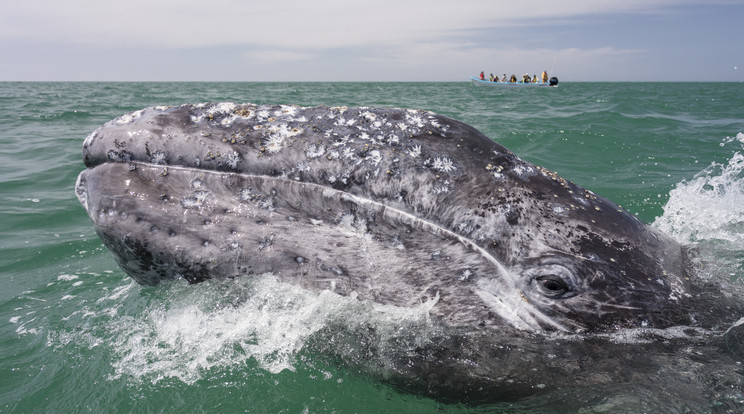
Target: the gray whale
(396, 206)
(534, 280)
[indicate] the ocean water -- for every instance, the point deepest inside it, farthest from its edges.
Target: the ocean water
(77, 335)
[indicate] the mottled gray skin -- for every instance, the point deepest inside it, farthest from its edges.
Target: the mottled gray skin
(395, 206)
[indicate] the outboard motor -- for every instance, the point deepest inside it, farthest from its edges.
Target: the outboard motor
(553, 81)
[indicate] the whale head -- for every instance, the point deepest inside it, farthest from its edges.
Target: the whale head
(394, 206)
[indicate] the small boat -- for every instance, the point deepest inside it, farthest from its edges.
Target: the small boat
(480, 82)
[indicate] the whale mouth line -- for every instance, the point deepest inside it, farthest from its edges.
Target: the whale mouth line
(405, 217)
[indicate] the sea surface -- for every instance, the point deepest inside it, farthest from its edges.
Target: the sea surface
(77, 335)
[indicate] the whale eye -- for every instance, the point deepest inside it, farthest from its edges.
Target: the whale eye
(552, 285)
(554, 281)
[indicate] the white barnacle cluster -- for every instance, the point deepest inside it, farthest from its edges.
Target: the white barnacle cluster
(496, 171)
(374, 157)
(246, 195)
(369, 116)
(231, 159)
(273, 143)
(276, 137)
(376, 125)
(358, 129)
(106, 213)
(378, 130)
(414, 119)
(339, 109)
(297, 170)
(345, 122)
(228, 112)
(198, 195)
(221, 108)
(584, 201)
(418, 119)
(315, 151)
(213, 111)
(302, 166)
(346, 220)
(523, 170)
(262, 114)
(345, 177)
(443, 188)
(158, 157)
(443, 164)
(559, 209)
(340, 141)
(350, 155)
(414, 123)
(352, 224)
(333, 178)
(286, 110)
(233, 245)
(128, 118)
(465, 275)
(140, 132)
(378, 137)
(375, 130)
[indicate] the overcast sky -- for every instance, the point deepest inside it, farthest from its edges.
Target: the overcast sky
(376, 40)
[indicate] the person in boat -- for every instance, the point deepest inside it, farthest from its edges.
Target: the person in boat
(526, 78)
(513, 78)
(490, 79)
(503, 78)
(482, 76)
(534, 79)
(545, 76)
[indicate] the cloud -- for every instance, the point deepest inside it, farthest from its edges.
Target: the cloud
(337, 39)
(318, 24)
(276, 56)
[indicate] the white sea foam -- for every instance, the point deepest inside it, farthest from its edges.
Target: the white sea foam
(224, 324)
(67, 277)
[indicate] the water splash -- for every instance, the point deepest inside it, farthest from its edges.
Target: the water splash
(708, 211)
(711, 205)
(237, 323)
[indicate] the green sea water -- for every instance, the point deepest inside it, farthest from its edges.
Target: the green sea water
(77, 335)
